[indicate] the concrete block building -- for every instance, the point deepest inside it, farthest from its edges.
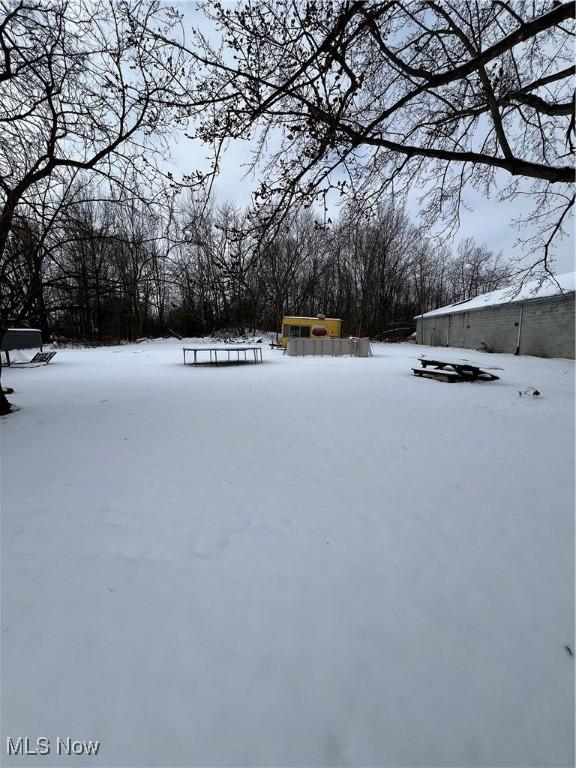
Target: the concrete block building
(538, 320)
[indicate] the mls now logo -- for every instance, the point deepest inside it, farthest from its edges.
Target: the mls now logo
(23, 745)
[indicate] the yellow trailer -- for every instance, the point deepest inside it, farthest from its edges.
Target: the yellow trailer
(319, 327)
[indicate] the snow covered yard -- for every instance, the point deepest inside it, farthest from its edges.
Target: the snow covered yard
(310, 562)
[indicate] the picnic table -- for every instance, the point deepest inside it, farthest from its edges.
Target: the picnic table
(452, 370)
(240, 352)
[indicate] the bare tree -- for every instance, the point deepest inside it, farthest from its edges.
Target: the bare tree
(82, 87)
(370, 98)
(475, 269)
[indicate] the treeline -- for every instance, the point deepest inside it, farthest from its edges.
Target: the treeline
(91, 269)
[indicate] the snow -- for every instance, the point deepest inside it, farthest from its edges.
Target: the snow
(531, 290)
(309, 562)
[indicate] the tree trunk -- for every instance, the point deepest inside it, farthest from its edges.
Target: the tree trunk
(6, 219)
(5, 406)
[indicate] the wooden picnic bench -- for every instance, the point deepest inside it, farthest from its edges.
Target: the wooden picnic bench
(240, 351)
(445, 370)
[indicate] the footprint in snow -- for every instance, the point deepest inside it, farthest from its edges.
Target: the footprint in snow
(209, 543)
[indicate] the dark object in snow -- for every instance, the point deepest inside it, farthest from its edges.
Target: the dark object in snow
(43, 357)
(569, 650)
(530, 391)
(484, 347)
(395, 335)
(8, 390)
(446, 371)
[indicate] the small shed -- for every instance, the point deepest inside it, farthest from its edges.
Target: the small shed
(20, 338)
(313, 328)
(536, 320)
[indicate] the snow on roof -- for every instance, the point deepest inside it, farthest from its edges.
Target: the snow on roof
(532, 290)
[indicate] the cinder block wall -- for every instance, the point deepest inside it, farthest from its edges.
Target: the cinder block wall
(547, 327)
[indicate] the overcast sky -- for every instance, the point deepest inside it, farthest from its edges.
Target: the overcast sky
(489, 221)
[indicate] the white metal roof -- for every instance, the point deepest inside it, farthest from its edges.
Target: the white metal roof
(531, 290)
